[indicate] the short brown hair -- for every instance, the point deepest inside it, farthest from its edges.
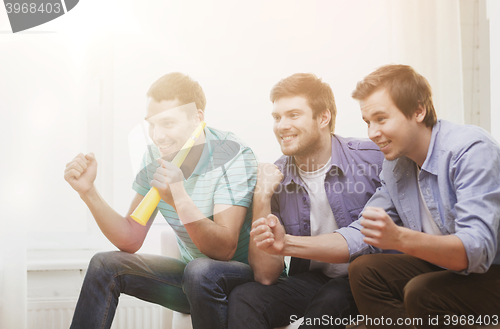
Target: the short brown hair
(406, 87)
(319, 95)
(178, 86)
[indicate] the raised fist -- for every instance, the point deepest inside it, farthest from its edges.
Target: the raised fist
(81, 172)
(268, 179)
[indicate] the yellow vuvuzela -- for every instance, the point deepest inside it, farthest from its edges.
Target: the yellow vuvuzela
(144, 210)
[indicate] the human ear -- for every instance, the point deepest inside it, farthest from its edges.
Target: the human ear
(200, 116)
(325, 118)
(420, 113)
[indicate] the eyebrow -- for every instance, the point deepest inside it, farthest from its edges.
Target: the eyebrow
(155, 118)
(288, 111)
(378, 112)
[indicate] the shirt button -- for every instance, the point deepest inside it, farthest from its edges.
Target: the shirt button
(306, 226)
(304, 199)
(407, 174)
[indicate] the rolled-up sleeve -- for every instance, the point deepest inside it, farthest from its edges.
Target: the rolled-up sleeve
(352, 234)
(475, 173)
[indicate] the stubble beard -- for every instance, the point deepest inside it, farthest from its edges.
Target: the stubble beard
(304, 150)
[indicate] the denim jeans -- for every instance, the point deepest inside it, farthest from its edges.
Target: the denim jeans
(200, 287)
(311, 295)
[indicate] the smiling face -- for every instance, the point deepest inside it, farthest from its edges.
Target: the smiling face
(170, 125)
(297, 132)
(390, 129)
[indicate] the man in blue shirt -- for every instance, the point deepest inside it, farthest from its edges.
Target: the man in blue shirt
(438, 205)
(321, 183)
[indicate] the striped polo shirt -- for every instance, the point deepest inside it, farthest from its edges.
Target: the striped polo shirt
(225, 174)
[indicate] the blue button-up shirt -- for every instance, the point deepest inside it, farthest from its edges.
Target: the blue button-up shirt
(460, 183)
(349, 184)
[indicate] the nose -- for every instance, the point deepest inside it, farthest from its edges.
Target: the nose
(373, 132)
(156, 133)
(283, 124)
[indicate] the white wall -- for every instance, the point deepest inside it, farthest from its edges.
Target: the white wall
(493, 10)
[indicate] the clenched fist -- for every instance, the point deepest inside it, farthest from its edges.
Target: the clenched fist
(166, 178)
(81, 172)
(268, 179)
(268, 234)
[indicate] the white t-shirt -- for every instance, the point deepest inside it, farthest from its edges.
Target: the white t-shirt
(428, 224)
(321, 216)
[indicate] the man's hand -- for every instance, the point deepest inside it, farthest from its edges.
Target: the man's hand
(380, 230)
(268, 235)
(268, 179)
(168, 177)
(81, 172)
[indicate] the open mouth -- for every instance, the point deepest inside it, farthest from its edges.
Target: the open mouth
(164, 148)
(383, 145)
(288, 138)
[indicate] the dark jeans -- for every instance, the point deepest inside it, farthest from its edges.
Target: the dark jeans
(406, 287)
(201, 287)
(311, 295)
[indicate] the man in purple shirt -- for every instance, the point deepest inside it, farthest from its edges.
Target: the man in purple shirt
(320, 184)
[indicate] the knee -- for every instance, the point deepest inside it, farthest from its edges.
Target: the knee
(362, 268)
(247, 304)
(246, 295)
(199, 271)
(112, 261)
(336, 294)
(419, 296)
(102, 261)
(103, 266)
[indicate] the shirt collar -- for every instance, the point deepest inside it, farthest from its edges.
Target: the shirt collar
(431, 160)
